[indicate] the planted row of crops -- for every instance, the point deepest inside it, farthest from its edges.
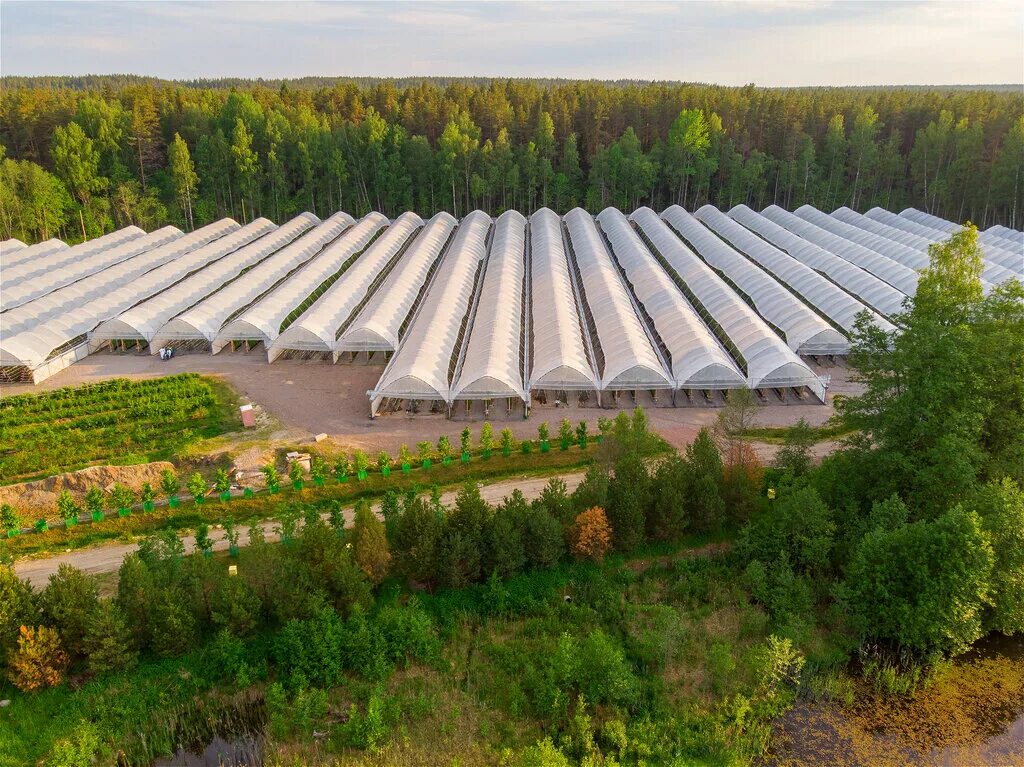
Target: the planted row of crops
(69, 428)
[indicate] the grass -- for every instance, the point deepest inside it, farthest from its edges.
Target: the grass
(118, 422)
(263, 505)
(776, 435)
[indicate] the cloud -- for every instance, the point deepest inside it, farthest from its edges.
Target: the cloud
(771, 42)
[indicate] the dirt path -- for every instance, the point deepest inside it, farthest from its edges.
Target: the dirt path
(106, 559)
(309, 398)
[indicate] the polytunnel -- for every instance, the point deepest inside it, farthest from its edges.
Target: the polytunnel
(492, 359)
(696, 359)
(1008, 235)
(380, 323)
(767, 361)
(991, 273)
(885, 269)
(144, 321)
(912, 258)
(11, 246)
(262, 322)
(69, 257)
(95, 286)
(69, 330)
(992, 270)
(805, 332)
(318, 328)
(558, 353)
(995, 249)
(824, 295)
(200, 324)
(874, 292)
(421, 368)
(28, 252)
(627, 359)
(33, 279)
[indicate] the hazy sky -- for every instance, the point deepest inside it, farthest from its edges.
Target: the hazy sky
(768, 43)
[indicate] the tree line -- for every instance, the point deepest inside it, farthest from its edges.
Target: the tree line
(82, 156)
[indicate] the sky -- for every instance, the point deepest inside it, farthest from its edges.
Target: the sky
(787, 43)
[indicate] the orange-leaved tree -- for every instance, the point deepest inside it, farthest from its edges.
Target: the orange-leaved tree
(591, 535)
(39, 660)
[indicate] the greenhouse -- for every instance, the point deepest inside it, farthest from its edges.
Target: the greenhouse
(992, 270)
(264, 321)
(876, 293)
(627, 359)
(422, 367)
(460, 317)
(696, 359)
(27, 252)
(316, 330)
(143, 321)
(11, 246)
(196, 328)
(559, 358)
(77, 294)
(39, 276)
(764, 357)
(805, 331)
(996, 248)
(1009, 236)
(63, 339)
(380, 323)
(884, 268)
(831, 301)
(897, 251)
(491, 365)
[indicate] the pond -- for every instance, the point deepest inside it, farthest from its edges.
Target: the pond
(970, 714)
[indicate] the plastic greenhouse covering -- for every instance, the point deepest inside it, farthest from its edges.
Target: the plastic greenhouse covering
(317, 329)
(95, 286)
(262, 321)
(33, 346)
(874, 292)
(995, 249)
(203, 321)
(696, 358)
(630, 360)
(11, 246)
(559, 359)
(68, 256)
(805, 331)
(28, 252)
(892, 272)
(492, 363)
(421, 367)
(912, 258)
(145, 320)
(992, 270)
(378, 324)
(768, 362)
(821, 293)
(1009, 236)
(33, 280)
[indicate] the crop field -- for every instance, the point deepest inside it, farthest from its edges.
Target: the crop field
(116, 421)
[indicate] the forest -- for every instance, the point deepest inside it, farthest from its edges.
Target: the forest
(705, 591)
(82, 156)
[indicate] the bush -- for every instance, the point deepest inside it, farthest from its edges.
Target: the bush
(234, 606)
(17, 609)
(39, 661)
